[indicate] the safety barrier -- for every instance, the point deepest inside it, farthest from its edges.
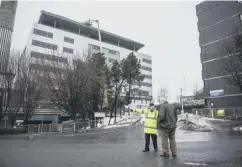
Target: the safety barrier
(225, 113)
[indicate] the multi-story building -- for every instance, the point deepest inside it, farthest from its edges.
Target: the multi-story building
(55, 35)
(218, 23)
(7, 17)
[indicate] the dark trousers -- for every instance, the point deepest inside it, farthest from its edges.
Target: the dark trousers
(147, 140)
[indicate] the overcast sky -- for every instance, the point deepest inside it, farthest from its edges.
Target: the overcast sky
(168, 30)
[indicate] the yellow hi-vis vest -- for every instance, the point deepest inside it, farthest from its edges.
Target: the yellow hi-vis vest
(150, 125)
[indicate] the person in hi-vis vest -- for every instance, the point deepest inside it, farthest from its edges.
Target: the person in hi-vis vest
(150, 126)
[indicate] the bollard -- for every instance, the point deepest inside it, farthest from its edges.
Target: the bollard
(186, 118)
(211, 113)
(196, 114)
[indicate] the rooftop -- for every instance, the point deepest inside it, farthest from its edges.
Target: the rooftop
(65, 24)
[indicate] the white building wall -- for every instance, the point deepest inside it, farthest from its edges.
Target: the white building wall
(81, 45)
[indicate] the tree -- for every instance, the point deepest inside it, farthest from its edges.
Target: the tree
(198, 93)
(21, 88)
(132, 74)
(163, 95)
(77, 88)
(117, 80)
(232, 64)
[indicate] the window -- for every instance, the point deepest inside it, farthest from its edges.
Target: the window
(146, 68)
(241, 15)
(112, 52)
(148, 76)
(146, 61)
(67, 50)
(146, 84)
(43, 33)
(69, 40)
(141, 101)
(95, 47)
(143, 93)
(44, 45)
(48, 57)
(111, 60)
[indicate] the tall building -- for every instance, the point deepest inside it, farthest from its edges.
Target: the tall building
(58, 35)
(7, 17)
(218, 23)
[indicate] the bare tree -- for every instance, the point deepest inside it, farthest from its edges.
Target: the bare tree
(232, 63)
(77, 88)
(163, 95)
(20, 88)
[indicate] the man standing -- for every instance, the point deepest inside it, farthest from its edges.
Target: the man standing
(150, 126)
(167, 126)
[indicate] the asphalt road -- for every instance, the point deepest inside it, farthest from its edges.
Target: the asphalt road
(120, 149)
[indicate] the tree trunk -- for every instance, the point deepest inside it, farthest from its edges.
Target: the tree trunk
(115, 113)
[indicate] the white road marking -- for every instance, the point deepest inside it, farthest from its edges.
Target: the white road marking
(195, 164)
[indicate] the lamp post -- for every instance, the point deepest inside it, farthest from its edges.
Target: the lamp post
(89, 23)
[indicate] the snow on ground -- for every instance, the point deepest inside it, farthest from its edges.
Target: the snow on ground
(116, 126)
(125, 120)
(199, 120)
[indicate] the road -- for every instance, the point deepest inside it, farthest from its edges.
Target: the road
(120, 148)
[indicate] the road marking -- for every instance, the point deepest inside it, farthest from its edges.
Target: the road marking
(195, 164)
(21, 149)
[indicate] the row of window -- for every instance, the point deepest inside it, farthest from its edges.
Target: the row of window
(67, 50)
(51, 46)
(147, 61)
(43, 33)
(50, 35)
(146, 68)
(97, 48)
(146, 84)
(111, 60)
(148, 76)
(69, 40)
(44, 45)
(48, 57)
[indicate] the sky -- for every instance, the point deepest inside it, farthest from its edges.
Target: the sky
(167, 28)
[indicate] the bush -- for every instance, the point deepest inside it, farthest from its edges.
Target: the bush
(12, 131)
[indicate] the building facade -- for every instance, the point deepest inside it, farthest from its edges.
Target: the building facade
(7, 17)
(218, 23)
(58, 38)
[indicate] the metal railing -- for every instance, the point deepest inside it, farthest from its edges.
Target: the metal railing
(64, 127)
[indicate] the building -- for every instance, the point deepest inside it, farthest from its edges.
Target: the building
(218, 22)
(7, 17)
(65, 37)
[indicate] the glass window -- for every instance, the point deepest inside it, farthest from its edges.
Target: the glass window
(43, 33)
(67, 50)
(146, 61)
(146, 84)
(69, 40)
(112, 52)
(148, 76)
(146, 68)
(48, 57)
(111, 60)
(44, 45)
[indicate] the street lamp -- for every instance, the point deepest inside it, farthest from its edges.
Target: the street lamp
(184, 79)
(89, 23)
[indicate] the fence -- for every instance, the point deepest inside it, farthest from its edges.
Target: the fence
(230, 113)
(64, 127)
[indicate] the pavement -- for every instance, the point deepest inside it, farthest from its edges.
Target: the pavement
(121, 148)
